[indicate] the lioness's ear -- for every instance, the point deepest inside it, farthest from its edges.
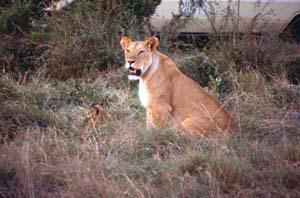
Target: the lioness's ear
(125, 42)
(152, 43)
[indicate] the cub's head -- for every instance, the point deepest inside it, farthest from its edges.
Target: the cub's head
(138, 55)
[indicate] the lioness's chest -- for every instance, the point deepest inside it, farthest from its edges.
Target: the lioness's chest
(143, 94)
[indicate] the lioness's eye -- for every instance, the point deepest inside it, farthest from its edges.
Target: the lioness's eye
(140, 52)
(128, 50)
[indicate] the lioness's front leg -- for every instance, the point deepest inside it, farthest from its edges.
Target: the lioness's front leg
(157, 116)
(150, 122)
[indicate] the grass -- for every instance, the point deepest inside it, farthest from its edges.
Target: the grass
(52, 152)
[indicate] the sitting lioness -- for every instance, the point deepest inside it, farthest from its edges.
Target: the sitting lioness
(169, 96)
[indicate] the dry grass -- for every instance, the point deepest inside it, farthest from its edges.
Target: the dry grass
(120, 158)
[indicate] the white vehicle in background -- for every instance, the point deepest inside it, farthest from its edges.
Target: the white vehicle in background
(212, 16)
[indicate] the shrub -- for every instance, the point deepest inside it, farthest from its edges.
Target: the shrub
(69, 43)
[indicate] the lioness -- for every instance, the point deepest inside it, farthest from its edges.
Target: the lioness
(169, 96)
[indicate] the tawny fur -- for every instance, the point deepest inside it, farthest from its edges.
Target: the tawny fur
(95, 116)
(171, 97)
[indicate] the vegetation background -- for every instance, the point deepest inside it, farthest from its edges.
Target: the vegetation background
(56, 66)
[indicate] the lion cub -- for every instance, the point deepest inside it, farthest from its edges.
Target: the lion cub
(95, 116)
(169, 96)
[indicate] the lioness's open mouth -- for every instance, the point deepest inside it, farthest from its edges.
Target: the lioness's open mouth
(136, 72)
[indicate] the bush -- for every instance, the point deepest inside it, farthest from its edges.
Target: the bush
(69, 43)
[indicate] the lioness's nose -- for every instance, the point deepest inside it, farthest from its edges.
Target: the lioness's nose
(131, 62)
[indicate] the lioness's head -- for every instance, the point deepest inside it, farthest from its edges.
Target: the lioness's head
(138, 55)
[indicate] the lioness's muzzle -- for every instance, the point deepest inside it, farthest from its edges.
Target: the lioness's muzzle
(136, 72)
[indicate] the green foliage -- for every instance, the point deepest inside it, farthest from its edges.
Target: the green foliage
(140, 8)
(199, 70)
(15, 16)
(69, 43)
(17, 113)
(205, 73)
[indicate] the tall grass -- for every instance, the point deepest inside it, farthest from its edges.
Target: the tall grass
(120, 158)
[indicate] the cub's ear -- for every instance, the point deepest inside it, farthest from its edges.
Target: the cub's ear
(152, 43)
(125, 42)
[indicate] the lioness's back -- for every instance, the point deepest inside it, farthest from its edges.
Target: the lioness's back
(191, 100)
